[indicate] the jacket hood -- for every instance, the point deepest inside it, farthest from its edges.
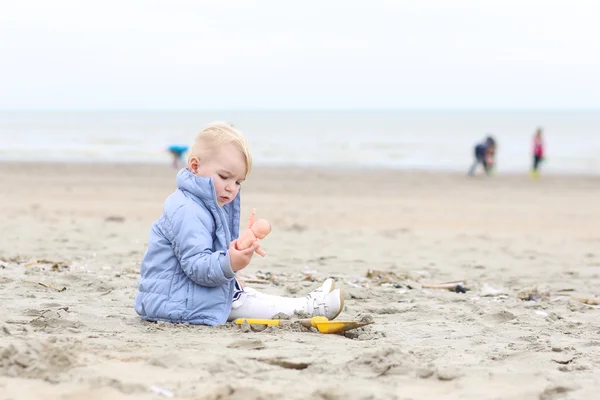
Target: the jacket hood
(203, 188)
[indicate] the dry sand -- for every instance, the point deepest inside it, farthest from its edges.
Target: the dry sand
(72, 237)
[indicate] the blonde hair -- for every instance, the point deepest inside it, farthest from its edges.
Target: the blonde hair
(216, 134)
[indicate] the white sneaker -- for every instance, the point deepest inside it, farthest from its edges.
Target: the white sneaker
(326, 304)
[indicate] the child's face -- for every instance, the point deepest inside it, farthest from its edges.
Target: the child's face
(227, 167)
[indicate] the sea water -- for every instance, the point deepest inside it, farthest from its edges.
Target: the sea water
(431, 140)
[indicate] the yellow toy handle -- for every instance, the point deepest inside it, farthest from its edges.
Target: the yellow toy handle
(277, 322)
(322, 324)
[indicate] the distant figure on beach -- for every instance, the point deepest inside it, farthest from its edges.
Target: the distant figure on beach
(485, 154)
(177, 151)
(538, 153)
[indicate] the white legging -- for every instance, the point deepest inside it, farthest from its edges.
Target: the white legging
(254, 304)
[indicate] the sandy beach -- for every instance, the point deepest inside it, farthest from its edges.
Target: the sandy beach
(72, 237)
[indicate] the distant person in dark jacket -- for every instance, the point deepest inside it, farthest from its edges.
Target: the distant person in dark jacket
(485, 154)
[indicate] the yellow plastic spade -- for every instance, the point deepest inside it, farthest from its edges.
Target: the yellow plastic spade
(322, 324)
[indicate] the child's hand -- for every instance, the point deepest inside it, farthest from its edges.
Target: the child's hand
(240, 258)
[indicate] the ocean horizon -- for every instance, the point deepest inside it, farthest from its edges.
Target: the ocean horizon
(441, 140)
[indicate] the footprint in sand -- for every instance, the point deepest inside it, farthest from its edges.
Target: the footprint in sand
(50, 320)
(247, 345)
(36, 359)
(500, 317)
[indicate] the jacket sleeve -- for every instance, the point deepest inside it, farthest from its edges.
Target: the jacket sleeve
(193, 242)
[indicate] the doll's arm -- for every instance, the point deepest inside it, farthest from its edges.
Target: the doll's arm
(259, 250)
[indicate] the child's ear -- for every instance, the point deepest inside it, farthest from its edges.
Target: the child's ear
(193, 164)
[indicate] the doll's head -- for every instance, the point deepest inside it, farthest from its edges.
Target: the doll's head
(261, 228)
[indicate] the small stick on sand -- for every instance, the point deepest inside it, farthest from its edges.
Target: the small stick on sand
(264, 281)
(47, 286)
(447, 285)
(592, 301)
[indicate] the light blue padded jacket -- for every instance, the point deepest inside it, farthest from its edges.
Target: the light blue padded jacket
(186, 274)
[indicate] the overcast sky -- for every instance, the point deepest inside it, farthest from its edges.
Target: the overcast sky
(421, 54)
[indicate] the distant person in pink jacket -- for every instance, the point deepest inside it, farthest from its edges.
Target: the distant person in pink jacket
(538, 152)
